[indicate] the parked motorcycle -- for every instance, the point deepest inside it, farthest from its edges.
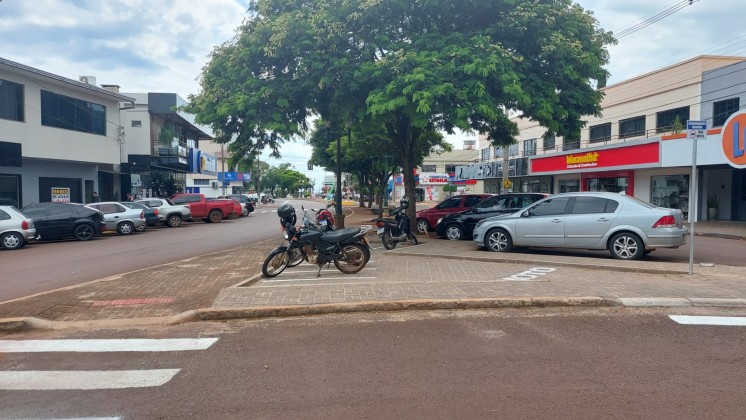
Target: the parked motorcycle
(267, 199)
(397, 230)
(324, 217)
(347, 248)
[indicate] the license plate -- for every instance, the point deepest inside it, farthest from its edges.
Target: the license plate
(322, 222)
(380, 231)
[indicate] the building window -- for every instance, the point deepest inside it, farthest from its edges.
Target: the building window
(632, 127)
(723, 109)
(601, 132)
(201, 182)
(450, 168)
(671, 119)
(427, 168)
(485, 154)
(549, 142)
(671, 191)
(11, 100)
(513, 149)
(529, 147)
(72, 114)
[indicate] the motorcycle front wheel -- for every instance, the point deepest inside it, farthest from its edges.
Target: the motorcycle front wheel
(354, 259)
(412, 238)
(275, 263)
(296, 257)
(387, 240)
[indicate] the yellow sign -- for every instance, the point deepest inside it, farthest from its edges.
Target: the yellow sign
(507, 183)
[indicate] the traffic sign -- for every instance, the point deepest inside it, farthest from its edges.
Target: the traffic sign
(507, 183)
(696, 130)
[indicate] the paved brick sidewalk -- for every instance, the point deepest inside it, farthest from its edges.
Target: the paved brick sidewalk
(435, 270)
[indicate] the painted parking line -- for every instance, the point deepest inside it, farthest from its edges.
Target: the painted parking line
(733, 321)
(105, 345)
(532, 274)
(84, 380)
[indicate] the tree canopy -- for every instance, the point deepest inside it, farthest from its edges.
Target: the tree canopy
(412, 67)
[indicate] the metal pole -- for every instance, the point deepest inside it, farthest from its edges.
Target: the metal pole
(692, 205)
(338, 195)
(222, 161)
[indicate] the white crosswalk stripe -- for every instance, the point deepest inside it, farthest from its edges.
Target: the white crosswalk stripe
(93, 379)
(733, 321)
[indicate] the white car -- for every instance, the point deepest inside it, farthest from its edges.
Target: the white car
(119, 218)
(169, 214)
(16, 229)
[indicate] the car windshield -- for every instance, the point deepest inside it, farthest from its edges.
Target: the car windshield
(450, 203)
(168, 200)
(641, 202)
(489, 202)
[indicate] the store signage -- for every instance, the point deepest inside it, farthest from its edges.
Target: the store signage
(734, 140)
(641, 154)
(60, 195)
(427, 178)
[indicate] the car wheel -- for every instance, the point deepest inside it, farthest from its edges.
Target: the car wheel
(626, 246)
(141, 228)
(498, 240)
(245, 212)
(454, 232)
(173, 220)
(83, 232)
(125, 228)
(12, 240)
(422, 225)
(215, 216)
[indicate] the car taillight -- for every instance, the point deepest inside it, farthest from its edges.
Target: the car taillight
(142, 214)
(155, 211)
(665, 222)
(24, 224)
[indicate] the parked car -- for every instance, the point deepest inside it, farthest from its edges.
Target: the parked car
(428, 218)
(238, 207)
(151, 214)
(628, 227)
(460, 225)
(247, 204)
(169, 214)
(16, 228)
(211, 211)
(64, 220)
(119, 218)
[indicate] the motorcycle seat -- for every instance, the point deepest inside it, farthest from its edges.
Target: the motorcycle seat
(335, 236)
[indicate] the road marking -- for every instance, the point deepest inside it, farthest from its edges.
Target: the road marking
(84, 380)
(736, 321)
(530, 274)
(105, 345)
(346, 277)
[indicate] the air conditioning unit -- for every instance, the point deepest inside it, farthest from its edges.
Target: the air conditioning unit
(90, 80)
(215, 184)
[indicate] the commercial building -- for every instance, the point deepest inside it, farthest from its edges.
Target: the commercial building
(639, 145)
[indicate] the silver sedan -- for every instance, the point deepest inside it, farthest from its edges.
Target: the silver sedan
(119, 218)
(628, 227)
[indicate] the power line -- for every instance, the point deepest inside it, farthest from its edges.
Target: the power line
(655, 18)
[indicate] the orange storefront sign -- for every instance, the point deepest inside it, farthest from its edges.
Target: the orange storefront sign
(734, 140)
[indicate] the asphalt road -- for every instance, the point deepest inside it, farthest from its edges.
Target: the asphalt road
(538, 363)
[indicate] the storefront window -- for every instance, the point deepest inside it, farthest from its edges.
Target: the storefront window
(615, 184)
(569, 185)
(670, 191)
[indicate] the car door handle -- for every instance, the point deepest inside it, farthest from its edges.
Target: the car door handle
(602, 219)
(556, 220)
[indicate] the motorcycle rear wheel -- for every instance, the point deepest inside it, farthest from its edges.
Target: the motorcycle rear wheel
(354, 259)
(275, 263)
(296, 257)
(413, 238)
(388, 242)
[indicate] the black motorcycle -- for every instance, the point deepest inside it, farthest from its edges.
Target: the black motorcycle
(397, 230)
(347, 248)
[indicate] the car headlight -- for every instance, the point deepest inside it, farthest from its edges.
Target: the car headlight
(480, 223)
(439, 220)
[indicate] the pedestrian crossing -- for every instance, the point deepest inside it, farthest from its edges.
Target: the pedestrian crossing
(27, 379)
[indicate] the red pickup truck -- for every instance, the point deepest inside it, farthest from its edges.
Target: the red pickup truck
(212, 211)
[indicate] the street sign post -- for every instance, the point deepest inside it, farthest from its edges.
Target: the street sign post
(696, 130)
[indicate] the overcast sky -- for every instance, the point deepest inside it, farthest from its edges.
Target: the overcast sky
(162, 45)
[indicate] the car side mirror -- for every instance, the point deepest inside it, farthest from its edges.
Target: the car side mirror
(526, 214)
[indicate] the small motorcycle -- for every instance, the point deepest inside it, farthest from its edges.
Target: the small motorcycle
(398, 230)
(347, 248)
(324, 217)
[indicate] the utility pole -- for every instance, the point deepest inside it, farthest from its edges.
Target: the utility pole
(506, 169)
(222, 161)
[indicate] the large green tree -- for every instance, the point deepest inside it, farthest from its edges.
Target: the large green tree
(412, 66)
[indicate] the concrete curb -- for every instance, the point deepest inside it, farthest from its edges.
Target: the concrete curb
(222, 314)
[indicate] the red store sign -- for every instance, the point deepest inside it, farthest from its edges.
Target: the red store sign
(642, 154)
